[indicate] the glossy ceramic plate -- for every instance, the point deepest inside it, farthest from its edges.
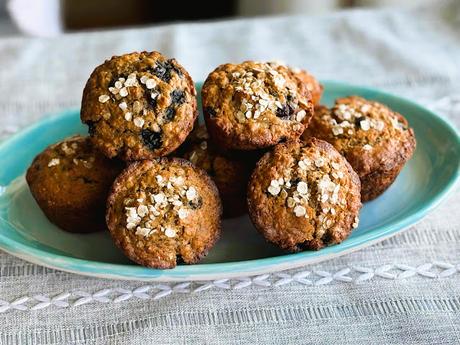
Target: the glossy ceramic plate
(26, 233)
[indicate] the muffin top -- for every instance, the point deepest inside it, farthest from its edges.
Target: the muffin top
(162, 210)
(370, 135)
(304, 195)
(139, 105)
(311, 83)
(255, 105)
(72, 171)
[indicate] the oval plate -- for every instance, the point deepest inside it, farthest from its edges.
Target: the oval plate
(26, 233)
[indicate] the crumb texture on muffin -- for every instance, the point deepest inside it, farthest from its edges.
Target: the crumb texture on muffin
(254, 105)
(311, 83)
(229, 172)
(139, 106)
(304, 195)
(164, 210)
(374, 139)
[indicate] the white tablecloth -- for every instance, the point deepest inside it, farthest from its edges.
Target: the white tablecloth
(405, 290)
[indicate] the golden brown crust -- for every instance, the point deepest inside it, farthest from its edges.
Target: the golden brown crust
(231, 174)
(70, 181)
(139, 106)
(255, 105)
(162, 210)
(311, 83)
(316, 202)
(374, 139)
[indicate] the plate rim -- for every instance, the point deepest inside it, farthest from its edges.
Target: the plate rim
(213, 271)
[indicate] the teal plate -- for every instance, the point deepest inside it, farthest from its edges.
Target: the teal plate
(26, 233)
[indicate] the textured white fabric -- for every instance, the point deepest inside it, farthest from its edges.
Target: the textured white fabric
(404, 290)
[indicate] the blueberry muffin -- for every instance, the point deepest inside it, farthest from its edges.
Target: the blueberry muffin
(254, 105)
(70, 181)
(374, 139)
(230, 174)
(139, 106)
(163, 211)
(311, 83)
(304, 195)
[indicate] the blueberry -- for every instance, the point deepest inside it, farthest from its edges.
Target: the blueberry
(285, 112)
(151, 139)
(152, 102)
(177, 97)
(164, 69)
(170, 112)
(174, 67)
(210, 112)
(91, 127)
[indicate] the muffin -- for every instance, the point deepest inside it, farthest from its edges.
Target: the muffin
(163, 211)
(304, 195)
(230, 174)
(311, 83)
(139, 106)
(374, 139)
(254, 105)
(70, 181)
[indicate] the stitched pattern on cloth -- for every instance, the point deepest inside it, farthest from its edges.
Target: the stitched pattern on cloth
(355, 274)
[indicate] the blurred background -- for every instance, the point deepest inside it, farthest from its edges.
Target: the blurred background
(47, 18)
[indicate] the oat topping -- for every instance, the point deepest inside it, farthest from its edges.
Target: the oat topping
(259, 101)
(123, 106)
(123, 92)
(69, 150)
(138, 122)
(300, 115)
(365, 125)
(396, 124)
(121, 89)
(345, 119)
(150, 83)
(300, 211)
(53, 162)
(356, 222)
(103, 98)
(172, 198)
(312, 181)
(170, 232)
(367, 147)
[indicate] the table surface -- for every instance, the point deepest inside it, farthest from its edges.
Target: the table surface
(403, 290)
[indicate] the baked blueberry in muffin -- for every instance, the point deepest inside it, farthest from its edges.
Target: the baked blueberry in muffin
(304, 195)
(255, 105)
(139, 106)
(164, 211)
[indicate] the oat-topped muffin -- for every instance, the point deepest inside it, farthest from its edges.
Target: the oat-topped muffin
(374, 139)
(304, 195)
(162, 211)
(70, 181)
(254, 105)
(311, 83)
(231, 174)
(139, 106)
